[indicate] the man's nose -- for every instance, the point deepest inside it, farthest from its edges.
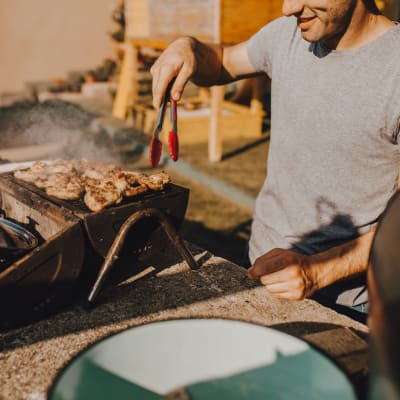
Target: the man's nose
(292, 7)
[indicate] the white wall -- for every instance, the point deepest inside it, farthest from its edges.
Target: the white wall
(43, 39)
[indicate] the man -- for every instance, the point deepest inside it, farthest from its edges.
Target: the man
(334, 151)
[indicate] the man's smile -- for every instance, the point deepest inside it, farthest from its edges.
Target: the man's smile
(305, 23)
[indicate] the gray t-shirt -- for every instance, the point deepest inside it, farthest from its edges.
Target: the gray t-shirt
(334, 154)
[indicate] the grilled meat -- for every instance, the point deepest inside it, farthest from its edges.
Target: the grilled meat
(98, 199)
(101, 185)
(63, 186)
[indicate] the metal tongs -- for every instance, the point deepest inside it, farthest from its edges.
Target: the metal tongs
(156, 144)
(16, 239)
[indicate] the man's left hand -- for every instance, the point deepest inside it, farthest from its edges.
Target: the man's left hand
(285, 274)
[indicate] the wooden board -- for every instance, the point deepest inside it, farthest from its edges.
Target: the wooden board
(175, 18)
(241, 19)
(136, 14)
(170, 19)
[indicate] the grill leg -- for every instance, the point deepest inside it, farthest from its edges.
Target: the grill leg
(119, 241)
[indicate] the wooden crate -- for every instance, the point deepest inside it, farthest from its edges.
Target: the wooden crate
(225, 21)
(193, 125)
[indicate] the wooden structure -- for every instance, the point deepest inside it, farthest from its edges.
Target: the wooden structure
(219, 21)
(155, 23)
(237, 121)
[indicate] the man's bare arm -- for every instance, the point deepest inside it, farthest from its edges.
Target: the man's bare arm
(290, 275)
(205, 64)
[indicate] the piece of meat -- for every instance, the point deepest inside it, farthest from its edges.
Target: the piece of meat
(132, 191)
(97, 200)
(164, 176)
(133, 177)
(38, 169)
(100, 171)
(26, 175)
(61, 166)
(68, 192)
(156, 181)
(120, 181)
(64, 186)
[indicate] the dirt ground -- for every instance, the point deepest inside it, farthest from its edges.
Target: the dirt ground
(211, 221)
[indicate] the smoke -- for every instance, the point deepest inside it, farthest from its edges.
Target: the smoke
(52, 129)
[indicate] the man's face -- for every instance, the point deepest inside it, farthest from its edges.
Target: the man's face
(321, 20)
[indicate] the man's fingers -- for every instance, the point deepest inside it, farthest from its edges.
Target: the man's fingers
(288, 296)
(290, 273)
(161, 78)
(280, 282)
(177, 61)
(273, 261)
(273, 278)
(285, 284)
(285, 290)
(180, 83)
(276, 288)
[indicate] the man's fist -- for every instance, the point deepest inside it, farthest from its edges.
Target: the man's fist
(285, 273)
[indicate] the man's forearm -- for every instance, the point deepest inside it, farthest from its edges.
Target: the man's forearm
(205, 64)
(290, 275)
(341, 262)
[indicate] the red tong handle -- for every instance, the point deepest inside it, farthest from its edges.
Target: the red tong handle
(155, 151)
(173, 134)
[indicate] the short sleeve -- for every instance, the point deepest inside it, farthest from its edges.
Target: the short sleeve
(263, 45)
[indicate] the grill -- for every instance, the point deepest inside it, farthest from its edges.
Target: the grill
(78, 247)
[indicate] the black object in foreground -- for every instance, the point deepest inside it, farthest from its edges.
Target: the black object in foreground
(384, 303)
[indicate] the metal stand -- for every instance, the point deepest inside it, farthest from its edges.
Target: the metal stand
(119, 241)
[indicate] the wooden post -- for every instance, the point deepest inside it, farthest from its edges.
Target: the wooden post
(204, 94)
(215, 135)
(127, 90)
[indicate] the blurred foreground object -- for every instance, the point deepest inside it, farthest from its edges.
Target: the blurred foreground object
(384, 300)
(391, 8)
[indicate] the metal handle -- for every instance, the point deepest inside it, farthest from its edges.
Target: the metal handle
(161, 111)
(115, 248)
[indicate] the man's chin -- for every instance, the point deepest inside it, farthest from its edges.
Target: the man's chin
(310, 37)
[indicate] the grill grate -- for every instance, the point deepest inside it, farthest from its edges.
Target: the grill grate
(78, 206)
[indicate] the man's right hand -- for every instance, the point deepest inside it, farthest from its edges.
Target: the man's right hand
(206, 64)
(177, 61)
